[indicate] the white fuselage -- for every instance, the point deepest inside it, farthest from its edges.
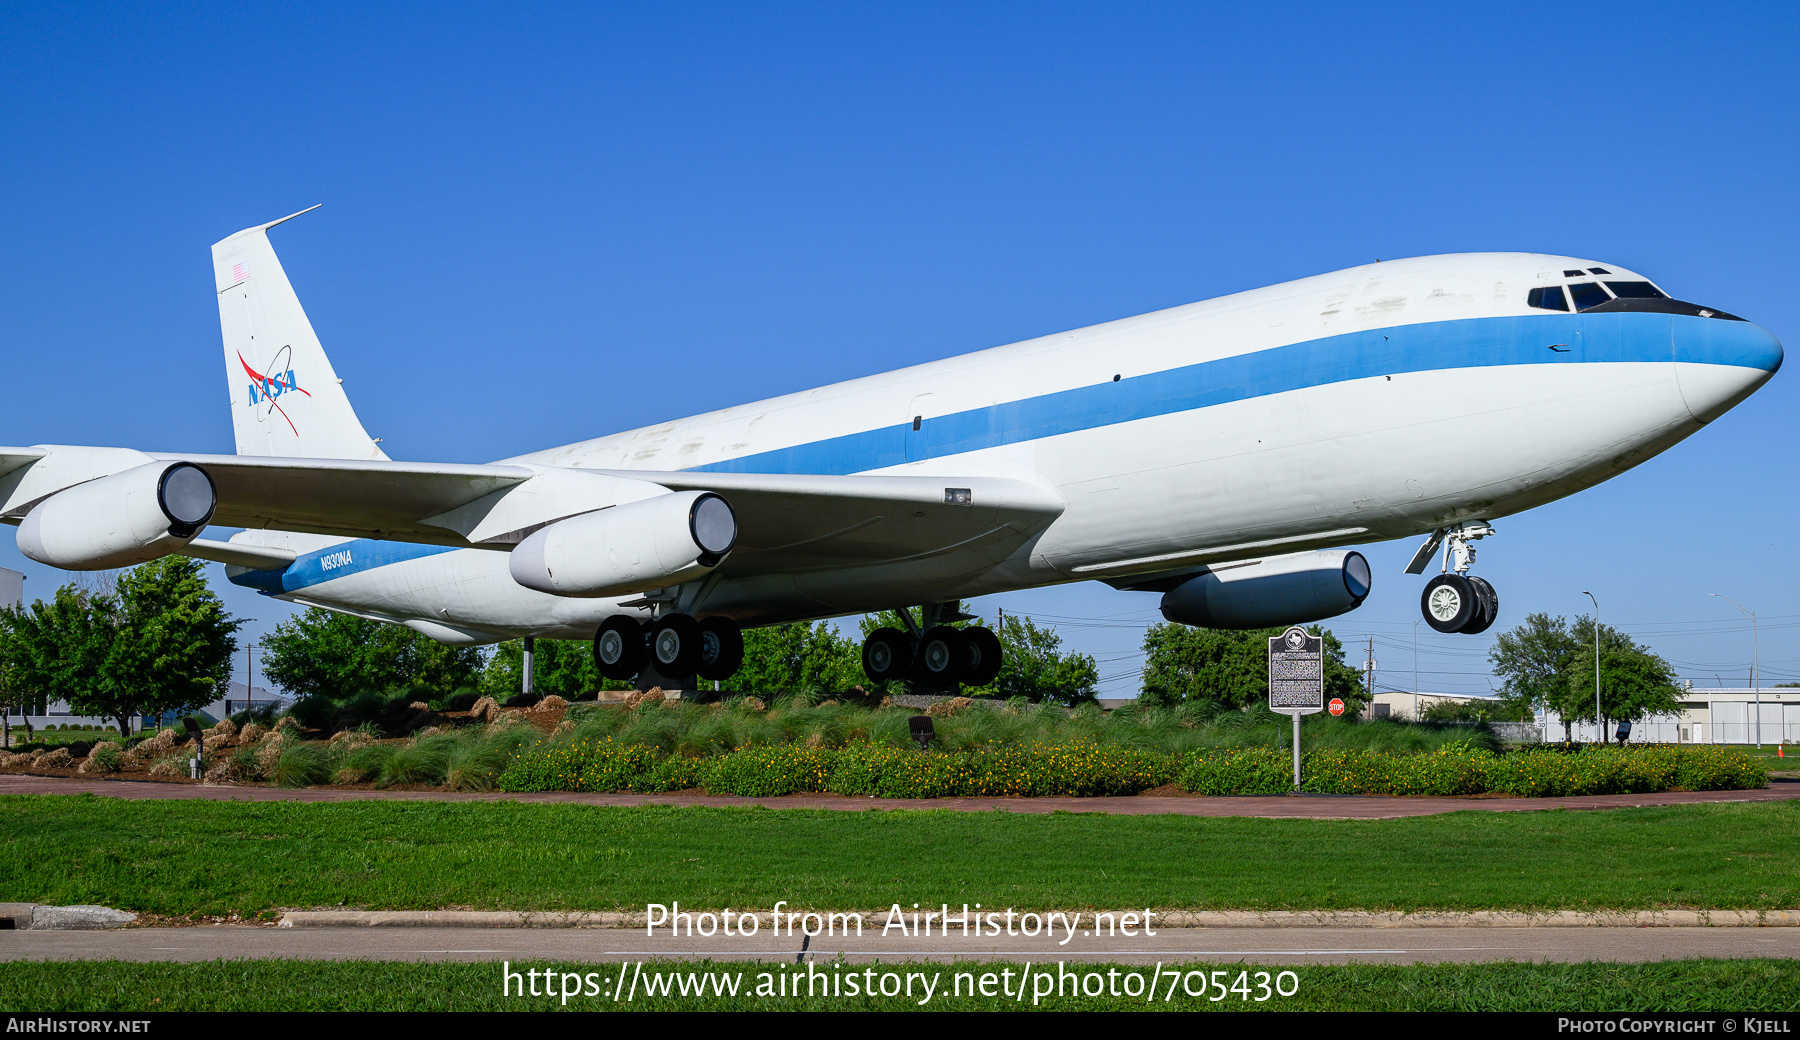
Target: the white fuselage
(1379, 402)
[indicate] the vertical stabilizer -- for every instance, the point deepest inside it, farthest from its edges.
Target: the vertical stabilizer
(285, 399)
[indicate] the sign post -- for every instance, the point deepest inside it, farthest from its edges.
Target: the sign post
(1297, 680)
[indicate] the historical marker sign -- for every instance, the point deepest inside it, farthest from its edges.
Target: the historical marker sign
(1297, 672)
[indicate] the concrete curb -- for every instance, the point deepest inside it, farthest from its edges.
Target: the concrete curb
(1164, 919)
(32, 916)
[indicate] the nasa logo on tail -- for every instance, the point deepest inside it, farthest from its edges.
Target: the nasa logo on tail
(264, 389)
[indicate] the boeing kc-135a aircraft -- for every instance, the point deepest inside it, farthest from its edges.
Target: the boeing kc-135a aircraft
(1218, 453)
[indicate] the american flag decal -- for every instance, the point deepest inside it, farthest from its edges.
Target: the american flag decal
(239, 272)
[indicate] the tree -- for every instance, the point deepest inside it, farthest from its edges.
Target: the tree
(16, 693)
(164, 643)
(1231, 667)
(1034, 667)
(809, 656)
(1634, 684)
(322, 653)
(174, 644)
(562, 667)
(1547, 662)
(1532, 661)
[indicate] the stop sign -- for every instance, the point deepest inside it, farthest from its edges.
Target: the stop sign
(1337, 706)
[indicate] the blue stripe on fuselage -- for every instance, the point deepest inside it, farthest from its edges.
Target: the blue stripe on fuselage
(1435, 346)
(1468, 343)
(336, 561)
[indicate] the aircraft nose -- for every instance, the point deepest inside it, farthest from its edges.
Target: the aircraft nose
(1719, 362)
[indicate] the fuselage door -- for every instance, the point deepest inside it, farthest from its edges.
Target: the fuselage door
(918, 417)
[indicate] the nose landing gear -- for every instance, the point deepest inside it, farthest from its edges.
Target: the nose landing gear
(1459, 601)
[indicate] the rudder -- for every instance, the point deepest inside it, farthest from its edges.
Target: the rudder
(286, 400)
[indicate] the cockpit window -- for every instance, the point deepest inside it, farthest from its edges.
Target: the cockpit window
(1549, 298)
(1598, 270)
(1573, 274)
(1587, 294)
(1636, 291)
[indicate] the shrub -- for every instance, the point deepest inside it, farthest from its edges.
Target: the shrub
(891, 772)
(1450, 770)
(675, 773)
(1262, 770)
(590, 765)
(1462, 770)
(771, 770)
(1713, 768)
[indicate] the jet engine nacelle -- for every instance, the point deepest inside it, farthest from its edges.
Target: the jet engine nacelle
(136, 516)
(652, 543)
(1277, 591)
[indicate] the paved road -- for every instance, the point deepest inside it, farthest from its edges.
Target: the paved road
(1321, 807)
(599, 945)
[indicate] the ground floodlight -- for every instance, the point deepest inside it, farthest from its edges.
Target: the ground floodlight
(922, 730)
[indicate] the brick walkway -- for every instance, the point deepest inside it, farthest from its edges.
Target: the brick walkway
(1318, 807)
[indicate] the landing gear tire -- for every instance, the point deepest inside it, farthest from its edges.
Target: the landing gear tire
(675, 645)
(1450, 603)
(619, 647)
(1490, 607)
(887, 655)
(721, 648)
(982, 656)
(943, 654)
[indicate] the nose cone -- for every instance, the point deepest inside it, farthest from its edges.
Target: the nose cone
(1720, 362)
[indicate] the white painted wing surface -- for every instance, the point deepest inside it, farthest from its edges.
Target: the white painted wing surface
(800, 523)
(788, 523)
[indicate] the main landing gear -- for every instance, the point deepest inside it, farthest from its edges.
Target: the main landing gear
(1459, 601)
(934, 655)
(679, 647)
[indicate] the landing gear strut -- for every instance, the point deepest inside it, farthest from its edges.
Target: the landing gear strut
(1459, 601)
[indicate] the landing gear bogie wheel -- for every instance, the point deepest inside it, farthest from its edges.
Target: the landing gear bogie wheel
(887, 655)
(1450, 603)
(1489, 601)
(721, 648)
(943, 652)
(675, 645)
(619, 647)
(982, 656)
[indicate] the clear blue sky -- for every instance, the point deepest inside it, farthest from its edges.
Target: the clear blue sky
(545, 223)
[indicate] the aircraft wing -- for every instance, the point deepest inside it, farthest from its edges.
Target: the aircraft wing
(13, 459)
(787, 523)
(796, 523)
(317, 496)
(384, 500)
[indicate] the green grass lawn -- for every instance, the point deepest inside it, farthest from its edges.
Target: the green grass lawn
(282, 985)
(212, 858)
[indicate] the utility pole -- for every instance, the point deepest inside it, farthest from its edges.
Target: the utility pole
(1369, 680)
(1599, 723)
(1755, 663)
(1416, 670)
